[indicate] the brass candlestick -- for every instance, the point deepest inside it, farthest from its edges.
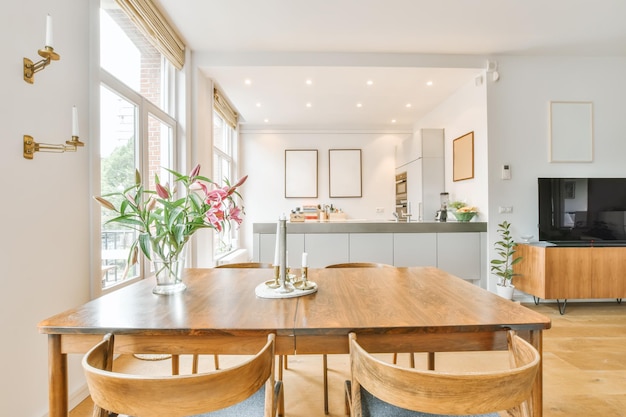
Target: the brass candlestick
(304, 284)
(274, 283)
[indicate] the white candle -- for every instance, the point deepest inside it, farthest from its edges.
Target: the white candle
(74, 121)
(49, 41)
(276, 249)
(305, 259)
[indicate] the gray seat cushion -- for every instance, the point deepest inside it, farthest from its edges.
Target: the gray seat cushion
(374, 407)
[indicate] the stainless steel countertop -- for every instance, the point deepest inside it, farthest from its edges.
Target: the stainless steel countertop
(372, 226)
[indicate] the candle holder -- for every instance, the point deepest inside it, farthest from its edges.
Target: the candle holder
(30, 67)
(274, 283)
(30, 146)
(304, 283)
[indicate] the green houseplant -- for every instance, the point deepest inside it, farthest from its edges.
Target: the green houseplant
(165, 220)
(502, 266)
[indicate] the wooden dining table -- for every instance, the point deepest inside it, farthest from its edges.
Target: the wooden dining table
(391, 310)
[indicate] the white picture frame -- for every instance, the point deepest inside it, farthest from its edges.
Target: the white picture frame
(571, 131)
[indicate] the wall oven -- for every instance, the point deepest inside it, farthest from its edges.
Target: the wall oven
(401, 195)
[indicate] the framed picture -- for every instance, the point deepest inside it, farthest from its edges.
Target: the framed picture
(300, 173)
(571, 131)
(344, 173)
(463, 157)
(569, 189)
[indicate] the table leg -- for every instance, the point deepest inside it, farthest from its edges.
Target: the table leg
(57, 378)
(535, 338)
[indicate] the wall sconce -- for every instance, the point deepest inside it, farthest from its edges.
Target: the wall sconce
(47, 53)
(30, 146)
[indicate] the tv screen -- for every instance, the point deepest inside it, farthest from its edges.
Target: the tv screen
(582, 209)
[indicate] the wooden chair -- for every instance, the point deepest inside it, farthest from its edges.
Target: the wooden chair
(246, 265)
(325, 357)
(246, 389)
(378, 388)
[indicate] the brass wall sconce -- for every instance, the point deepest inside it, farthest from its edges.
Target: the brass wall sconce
(30, 146)
(47, 53)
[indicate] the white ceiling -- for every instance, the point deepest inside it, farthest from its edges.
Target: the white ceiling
(397, 44)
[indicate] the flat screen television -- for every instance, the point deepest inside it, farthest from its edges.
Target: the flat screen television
(582, 210)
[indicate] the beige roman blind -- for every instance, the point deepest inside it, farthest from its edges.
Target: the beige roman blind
(221, 106)
(154, 26)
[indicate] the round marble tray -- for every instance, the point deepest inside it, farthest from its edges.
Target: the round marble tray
(264, 291)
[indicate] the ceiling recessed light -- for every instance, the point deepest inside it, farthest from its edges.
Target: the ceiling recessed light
(359, 105)
(408, 105)
(393, 120)
(308, 104)
(309, 81)
(258, 104)
(247, 81)
(369, 82)
(429, 83)
(266, 120)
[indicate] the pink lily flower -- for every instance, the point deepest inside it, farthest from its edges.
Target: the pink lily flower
(162, 191)
(235, 215)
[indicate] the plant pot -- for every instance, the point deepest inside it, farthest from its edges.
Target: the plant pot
(505, 291)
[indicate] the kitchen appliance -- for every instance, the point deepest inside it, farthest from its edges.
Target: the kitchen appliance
(442, 214)
(401, 197)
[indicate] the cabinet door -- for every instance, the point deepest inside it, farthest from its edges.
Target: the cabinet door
(459, 254)
(609, 273)
(295, 247)
(371, 247)
(414, 191)
(568, 272)
(326, 248)
(414, 249)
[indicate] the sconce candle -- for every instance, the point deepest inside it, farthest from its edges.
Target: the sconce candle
(49, 38)
(277, 247)
(74, 121)
(305, 257)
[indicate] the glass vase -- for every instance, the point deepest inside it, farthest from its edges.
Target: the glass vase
(169, 273)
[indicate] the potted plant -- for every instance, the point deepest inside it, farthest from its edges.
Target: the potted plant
(502, 266)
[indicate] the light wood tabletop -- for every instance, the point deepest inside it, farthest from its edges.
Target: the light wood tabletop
(391, 310)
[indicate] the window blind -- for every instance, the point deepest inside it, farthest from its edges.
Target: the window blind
(221, 106)
(156, 28)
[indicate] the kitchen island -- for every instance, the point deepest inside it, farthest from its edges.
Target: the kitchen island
(459, 248)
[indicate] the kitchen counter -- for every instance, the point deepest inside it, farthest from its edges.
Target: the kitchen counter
(456, 247)
(372, 226)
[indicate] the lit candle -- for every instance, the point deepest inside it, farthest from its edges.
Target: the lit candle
(305, 257)
(74, 121)
(276, 249)
(49, 31)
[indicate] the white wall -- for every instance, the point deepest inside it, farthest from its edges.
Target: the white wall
(263, 159)
(463, 112)
(45, 203)
(518, 109)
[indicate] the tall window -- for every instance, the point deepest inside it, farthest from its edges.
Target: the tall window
(136, 131)
(224, 169)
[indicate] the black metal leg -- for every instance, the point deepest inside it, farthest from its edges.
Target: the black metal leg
(536, 300)
(561, 308)
(619, 301)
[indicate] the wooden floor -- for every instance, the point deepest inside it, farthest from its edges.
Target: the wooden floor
(584, 366)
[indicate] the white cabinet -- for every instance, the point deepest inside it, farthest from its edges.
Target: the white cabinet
(414, 249)
(267, 246)
(327, 248)
(460, 254)
(371, 247)
(425, 171)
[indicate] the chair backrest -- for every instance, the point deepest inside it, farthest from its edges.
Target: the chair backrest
(446, 393)
(246, 265)
(179, 395)
(360, 265)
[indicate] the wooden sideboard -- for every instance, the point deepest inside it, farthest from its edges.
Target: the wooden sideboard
(555, 272)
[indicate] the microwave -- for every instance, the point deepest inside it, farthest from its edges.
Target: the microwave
(401, 184)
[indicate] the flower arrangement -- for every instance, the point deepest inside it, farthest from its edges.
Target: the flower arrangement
(165, 222)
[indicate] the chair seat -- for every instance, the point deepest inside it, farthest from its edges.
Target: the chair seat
(374, 407)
